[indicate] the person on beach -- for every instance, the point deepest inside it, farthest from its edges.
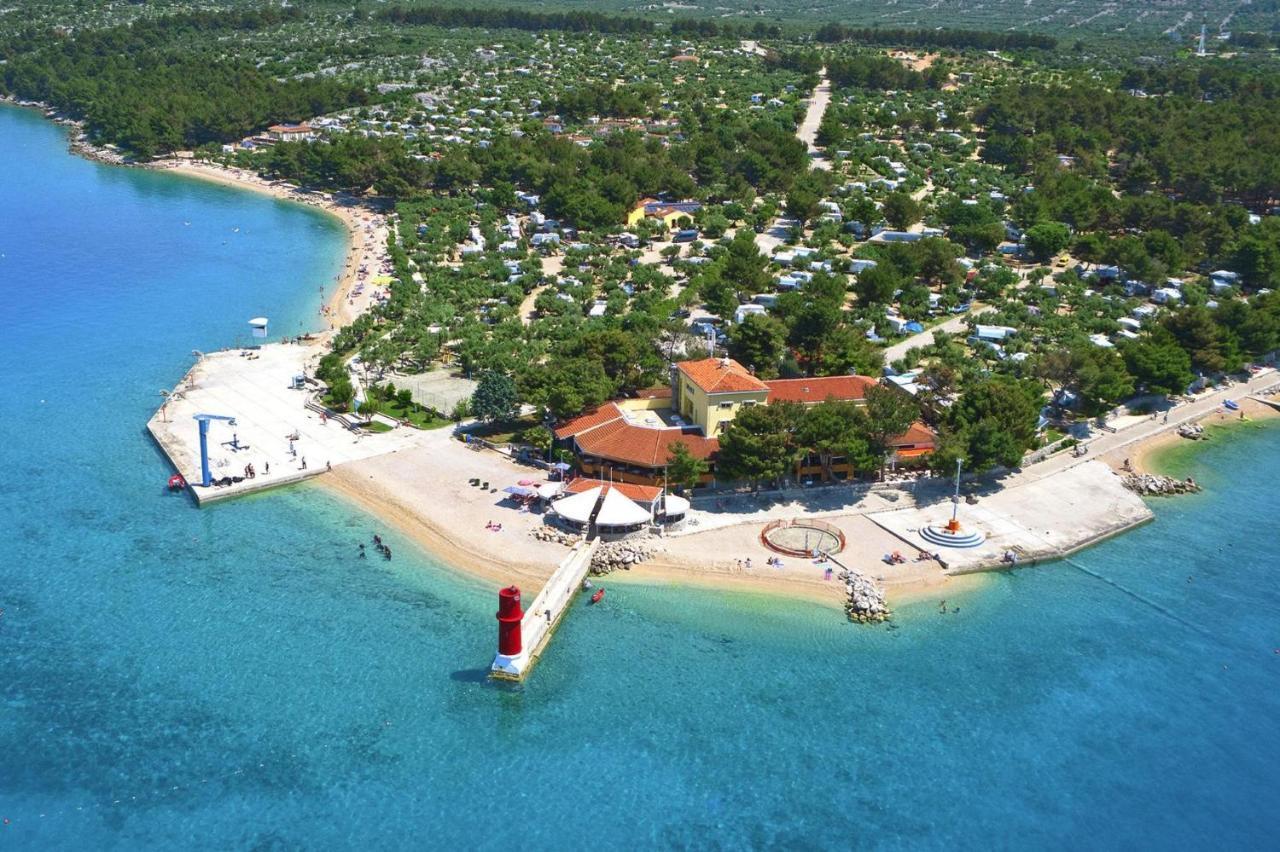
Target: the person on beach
(266, 467)
(304, 462)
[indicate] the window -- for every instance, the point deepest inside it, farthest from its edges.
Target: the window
(725, 406)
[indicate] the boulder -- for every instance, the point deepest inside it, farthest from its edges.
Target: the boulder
(865, 603)
(1155, 485)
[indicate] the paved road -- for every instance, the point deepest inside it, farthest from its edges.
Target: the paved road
(1100, 442)
(924, 338)
(808, 130)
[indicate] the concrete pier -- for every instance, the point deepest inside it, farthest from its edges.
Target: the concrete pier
(255, 386)
(543, 616)
(1038, 520)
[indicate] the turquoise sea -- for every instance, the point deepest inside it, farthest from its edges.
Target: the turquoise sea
(233, 678)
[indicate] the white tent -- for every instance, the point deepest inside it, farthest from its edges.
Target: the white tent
(547, 490)
(618, 511)
(673, 506)
(577, 509)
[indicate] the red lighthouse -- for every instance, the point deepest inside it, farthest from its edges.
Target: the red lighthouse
(509, 615)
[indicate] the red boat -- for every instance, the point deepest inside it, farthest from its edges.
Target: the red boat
(177, 483)
(598, 596)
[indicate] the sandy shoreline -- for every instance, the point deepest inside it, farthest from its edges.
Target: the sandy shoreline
(1144, 456)
(448, 519)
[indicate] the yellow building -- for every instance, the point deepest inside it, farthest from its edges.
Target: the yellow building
(711, 392)
(667, 214)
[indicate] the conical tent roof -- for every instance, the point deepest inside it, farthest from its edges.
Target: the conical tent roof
(618, 511)
(579, 507)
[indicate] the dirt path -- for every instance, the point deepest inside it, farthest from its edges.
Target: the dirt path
(808, 130)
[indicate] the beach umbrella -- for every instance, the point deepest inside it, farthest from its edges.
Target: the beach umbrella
(528, 482)
(561, 466)
(520, 490)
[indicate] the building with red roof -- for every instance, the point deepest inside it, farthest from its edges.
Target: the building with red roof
(630, 440)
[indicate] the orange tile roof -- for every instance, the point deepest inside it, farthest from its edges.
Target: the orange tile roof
(654, 393)
(721, 375)
(819, 389)
(589, 420)
(638, 493)
(918, 437)
(606, 433)
(640, 445)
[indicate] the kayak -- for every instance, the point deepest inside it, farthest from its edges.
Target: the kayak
(596, 598)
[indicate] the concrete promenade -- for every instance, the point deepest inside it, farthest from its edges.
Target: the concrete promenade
(1038, 519)
(254, 387)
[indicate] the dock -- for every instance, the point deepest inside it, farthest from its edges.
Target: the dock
(256, 387)
(543, 616)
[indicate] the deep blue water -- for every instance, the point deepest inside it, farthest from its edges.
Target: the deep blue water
(233, 678)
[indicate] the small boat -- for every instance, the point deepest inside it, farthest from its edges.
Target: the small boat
(598, 596)
(1232, 405)
(177, 483)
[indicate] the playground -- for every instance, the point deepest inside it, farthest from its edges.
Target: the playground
(257, 429)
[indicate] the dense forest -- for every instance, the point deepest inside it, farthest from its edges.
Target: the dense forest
(513, 18)
(1196, 148)
(832, 33)
(132, 89)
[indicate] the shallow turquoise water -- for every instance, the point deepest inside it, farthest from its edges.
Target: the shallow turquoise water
(234, 678)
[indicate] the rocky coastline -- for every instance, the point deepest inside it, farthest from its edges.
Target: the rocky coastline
(613, 556)
(1156, 485)
(865, 603)
(78, 141)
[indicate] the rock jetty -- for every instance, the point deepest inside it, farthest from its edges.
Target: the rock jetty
(612, 556)
(550, 533)
(1154, 485)
(865, 603)
(1192, 432)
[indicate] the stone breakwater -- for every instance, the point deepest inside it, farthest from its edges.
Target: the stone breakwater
(621, 555)
(1192, 432)
(865, 602)
(550, 533)
(1154, 485)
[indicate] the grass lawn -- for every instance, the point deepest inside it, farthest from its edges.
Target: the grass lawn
(377, 426)
(504, 432)
(417, 416)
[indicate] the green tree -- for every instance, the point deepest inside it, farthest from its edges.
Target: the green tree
(494, 398)
(889, 413)
(756, 446)
(901, 211)
(759, 341)
(846, 350)
(539, 437)
(1103, 380)
(1046, 239)
(341, 392)
(995, 421)
(1157, 363)
(877, 284)
(745, 267)
(833, 429)
(684, 469)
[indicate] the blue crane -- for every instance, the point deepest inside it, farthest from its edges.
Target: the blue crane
(205, 478)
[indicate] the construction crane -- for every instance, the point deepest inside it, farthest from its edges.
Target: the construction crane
(206, 479)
